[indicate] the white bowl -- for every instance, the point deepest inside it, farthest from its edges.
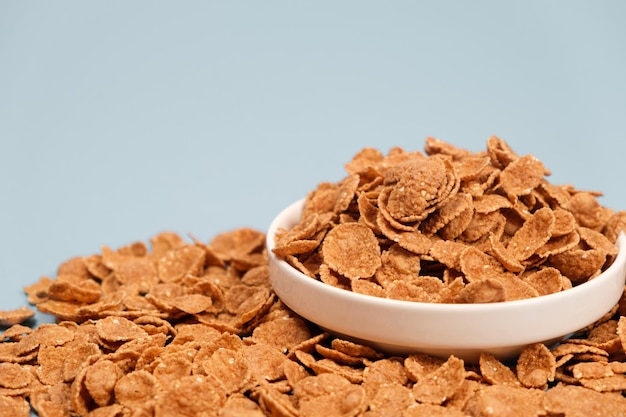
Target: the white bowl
(464, 330)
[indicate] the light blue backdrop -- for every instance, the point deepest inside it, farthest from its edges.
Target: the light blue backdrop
(121, 119)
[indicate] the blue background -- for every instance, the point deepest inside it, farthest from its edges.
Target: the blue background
(122, 119)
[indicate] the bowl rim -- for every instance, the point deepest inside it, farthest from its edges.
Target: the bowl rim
(295, 208)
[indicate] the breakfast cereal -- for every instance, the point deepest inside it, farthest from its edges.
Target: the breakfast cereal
(487, 216)
(177, 328)
(16, 316)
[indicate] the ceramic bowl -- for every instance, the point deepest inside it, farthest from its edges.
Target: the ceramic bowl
(464, 330)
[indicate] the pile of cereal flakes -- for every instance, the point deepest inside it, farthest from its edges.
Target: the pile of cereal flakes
(451, 226)
(175, 328)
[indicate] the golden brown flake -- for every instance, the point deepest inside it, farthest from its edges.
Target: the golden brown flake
(495, 372)
(17, 316)
(352, 250)
(504, 400)
(535, 232)
(545, 280)
(13, 407)
(521, 176)
(478, 265)
(574, 401)
(536, 366)
(488, 290)
(441, 384)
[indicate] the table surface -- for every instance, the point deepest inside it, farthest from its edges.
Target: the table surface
(119, 120)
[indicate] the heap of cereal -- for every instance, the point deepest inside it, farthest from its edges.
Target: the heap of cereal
(177, 328)
(451, 226)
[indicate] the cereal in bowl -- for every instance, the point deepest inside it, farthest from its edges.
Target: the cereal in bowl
(488, 226)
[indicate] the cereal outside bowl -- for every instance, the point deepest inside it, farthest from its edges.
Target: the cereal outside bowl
(502, 329)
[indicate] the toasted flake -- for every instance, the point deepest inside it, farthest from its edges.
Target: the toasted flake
(576, 348)
(69, 288)
(440, 385)
(448, 252)
(500, 153)
(381, 373)
(415, 186)
(488, 290)
(495, 372)
(407, 291)
(604, 336)
(536, 366)
(100, 380)
(320, 385)
(118, 329)
(366, 287)
(450, 209)
(192, 303)
(366, 158)
(482, 225)
(346, 191)
(457, 225)
(597, 240)
(506, 257)
(44, 335)
(284, 333)
(535, 232)
(546, 280)
(431, 410)
(13, 406)
(578, 264)
(266, 363)
(414, 241)
(575, 401)
(391, 399)
(330, 277)
(352, 250)
(587, 210)
(137, 271)
(434, 146)
(296, 247)
(355, 349)
(504, 400)
(13, 375)
(305, 230)
(17, 316)
(477, 265)
(337, 356)
(621, 331)
(178, 263)
(418, 365)
(615, 224)
(491, 203)
(558, 244)
(521, 176)
(191, 395)
(38, 292)
(15, 332)
(591, 370)
(230, 367)
(246, 301)
(564, 222)
(236, 243)
(517, 289)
